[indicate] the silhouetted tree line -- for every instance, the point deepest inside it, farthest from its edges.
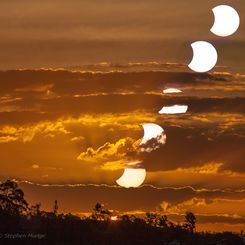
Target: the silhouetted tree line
(24, 224)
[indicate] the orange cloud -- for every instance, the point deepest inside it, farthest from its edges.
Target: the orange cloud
(113, 166)
(111, 155)
(25, 133)
(210, 168)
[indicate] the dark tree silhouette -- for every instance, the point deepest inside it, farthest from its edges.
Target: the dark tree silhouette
(55, 209)
(99, 228)
(190, 221)
(125, 218)
(163, 221)
(35, 210)
(12, 199)
(101, 213)
(152, 219)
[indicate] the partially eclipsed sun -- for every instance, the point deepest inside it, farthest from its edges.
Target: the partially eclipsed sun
(171, 91)
(154, 137)
(204, 56)
(174, 109)
(226, 21)
(132, 177)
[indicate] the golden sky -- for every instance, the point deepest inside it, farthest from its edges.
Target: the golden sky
(61, 33)
(67, 130)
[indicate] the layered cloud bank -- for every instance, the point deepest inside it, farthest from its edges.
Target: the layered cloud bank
(65, 127)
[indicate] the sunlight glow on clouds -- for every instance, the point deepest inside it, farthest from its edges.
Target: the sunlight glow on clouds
(110, 152)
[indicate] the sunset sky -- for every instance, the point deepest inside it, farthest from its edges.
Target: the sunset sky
(79, 78)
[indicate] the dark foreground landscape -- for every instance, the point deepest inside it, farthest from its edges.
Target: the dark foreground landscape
(21, 223)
